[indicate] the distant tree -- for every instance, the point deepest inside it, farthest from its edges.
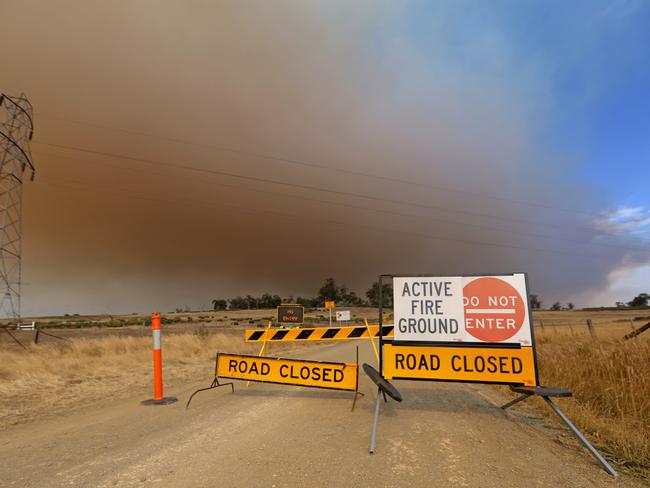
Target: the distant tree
(621, 304)
(386, 294)
(570, 306)
(329, 291)
(350, 299)
(556, 306)
(251, 302)
(535, 302)
(308, 302)
(265, 301)
(238, 303)
(269, 301)
(641, 300)
(218, 304)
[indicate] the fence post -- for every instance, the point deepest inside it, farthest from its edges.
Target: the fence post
(592, 331)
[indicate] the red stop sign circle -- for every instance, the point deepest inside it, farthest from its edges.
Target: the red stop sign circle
(494, 309)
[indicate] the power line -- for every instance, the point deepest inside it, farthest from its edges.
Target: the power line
(296, 162)
(345, 205)
(256, 212)
(312, 188)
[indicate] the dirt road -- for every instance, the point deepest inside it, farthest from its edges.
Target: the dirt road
(280, 436)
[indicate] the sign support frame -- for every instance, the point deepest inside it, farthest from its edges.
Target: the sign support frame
(216, 384)
(538, 390)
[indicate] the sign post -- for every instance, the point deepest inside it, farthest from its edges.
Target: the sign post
(330, 305)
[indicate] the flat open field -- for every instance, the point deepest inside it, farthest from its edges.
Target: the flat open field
(70, 413)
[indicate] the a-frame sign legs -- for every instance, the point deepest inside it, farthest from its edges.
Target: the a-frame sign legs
(539, 391)
(375, 422)
(580, 437)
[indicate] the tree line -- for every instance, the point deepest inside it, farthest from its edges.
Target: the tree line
(329, 291)
(640, 301)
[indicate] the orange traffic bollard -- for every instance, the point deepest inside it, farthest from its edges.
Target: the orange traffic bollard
(158, 398)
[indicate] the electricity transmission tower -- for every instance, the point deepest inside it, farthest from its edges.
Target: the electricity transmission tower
(16, 129)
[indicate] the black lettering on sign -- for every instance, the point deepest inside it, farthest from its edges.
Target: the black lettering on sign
(326, 374)
(316, 375)
(283, 370)
(430, 325)
(304, 373)
(492, 364)
(431, 363)
(454, 362)
(399, 360)
(502, 364)
(232, 365)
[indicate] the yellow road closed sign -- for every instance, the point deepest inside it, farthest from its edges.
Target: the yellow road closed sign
(314, 374)
(466, 364)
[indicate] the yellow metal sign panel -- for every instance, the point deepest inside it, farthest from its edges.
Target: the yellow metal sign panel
(317, 333)
(314, 374)
(330, 304)
(466, 364)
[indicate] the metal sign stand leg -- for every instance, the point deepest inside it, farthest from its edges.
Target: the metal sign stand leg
(215, 384)
(375, 422)
(539, 391)
(580, 437)
(357, 393)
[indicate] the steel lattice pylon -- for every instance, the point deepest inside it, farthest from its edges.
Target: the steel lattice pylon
(16, 129)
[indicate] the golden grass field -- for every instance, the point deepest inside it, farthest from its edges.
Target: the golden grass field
(609, 376)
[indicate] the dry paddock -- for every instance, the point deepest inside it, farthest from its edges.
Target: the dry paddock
(608, 375)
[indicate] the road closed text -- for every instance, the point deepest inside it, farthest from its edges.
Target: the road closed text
(485, 365)
(320, 374)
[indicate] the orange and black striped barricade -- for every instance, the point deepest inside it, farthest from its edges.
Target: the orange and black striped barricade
(317, 333)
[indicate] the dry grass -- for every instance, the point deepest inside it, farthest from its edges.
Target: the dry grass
(609, 380)
(609, 377)
(46, 380)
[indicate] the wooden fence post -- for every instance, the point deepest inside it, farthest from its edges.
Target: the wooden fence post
(592, 331)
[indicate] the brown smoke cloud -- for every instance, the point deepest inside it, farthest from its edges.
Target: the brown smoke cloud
(329, 84)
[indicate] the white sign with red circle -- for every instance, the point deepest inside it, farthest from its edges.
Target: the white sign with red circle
(462, 309)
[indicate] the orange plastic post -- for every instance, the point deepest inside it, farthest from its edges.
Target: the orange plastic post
(157, 358)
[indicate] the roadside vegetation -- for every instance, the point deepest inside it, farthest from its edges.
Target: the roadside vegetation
(611, 404)
(608, 375)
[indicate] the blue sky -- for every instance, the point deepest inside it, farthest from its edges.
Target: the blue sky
(586, 62)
